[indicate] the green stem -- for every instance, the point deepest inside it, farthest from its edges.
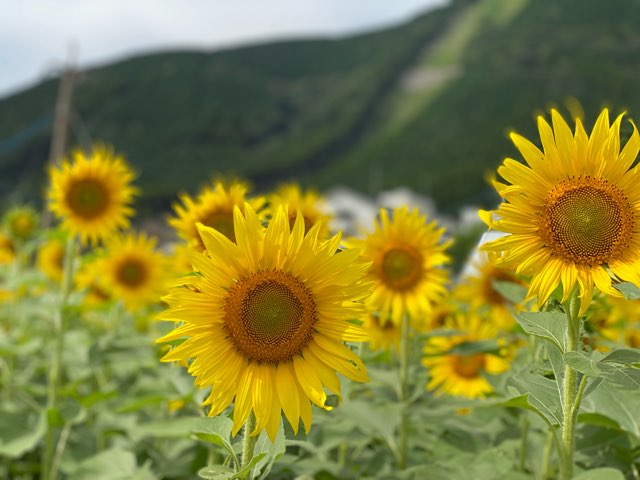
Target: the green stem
(404, 390)
(49, 472)
(523, 444)
(248, 442)
(546, 455)
(571, 403)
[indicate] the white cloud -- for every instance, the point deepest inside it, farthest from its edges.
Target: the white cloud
(35, 34)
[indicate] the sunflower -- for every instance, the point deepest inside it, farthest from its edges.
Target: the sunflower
(89, 280)
(51, 259)
(572, 214)
(134, 271)
(213, 207)
(383, 335)
(92, 194)
(459, 373)
(310, 204)
(21, 222)
(265, 319)
(478, 290)
(407, 255)
(7, 249)
(609, 320)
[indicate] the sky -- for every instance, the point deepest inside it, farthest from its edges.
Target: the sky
(36, 36)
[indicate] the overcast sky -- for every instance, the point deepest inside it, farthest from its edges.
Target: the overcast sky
(35, 34)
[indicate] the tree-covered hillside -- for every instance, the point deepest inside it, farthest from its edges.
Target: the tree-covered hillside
(425, 104)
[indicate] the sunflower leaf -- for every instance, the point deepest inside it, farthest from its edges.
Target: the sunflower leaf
(547, 325)
(513, 292)
(537, 393)
(216, 472)
(605, 473)
(629, 290)
(623, 355)
(621, 406)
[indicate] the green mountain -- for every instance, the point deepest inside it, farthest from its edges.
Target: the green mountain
(426, 104)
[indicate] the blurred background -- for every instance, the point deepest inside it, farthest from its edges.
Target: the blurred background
(371, 95)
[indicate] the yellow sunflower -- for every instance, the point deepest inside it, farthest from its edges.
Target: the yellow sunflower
(407, 255)
(7, 249)
(51, 259)
(134, 271)
(88, 279)
(573, 212)
(478, 291)
(310, 204)
(92, 194)
(265, 319)
(21, 222)
(609, 320)
(463, 374)
(213, 207)
(383, 335)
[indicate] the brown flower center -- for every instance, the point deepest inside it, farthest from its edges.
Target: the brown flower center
(400, 267)
(468, 366)
(270, 316)
(586, 220)
(87, 198)
(222, 221)
(132, 273)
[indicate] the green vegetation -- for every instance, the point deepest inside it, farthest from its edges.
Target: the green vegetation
(339, 111)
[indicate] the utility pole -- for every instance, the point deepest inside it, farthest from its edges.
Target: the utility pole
(61, 121)
(62, 115)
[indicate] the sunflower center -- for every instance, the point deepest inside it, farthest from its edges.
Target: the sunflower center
(23, 225)
(308, 223)
(468, 366)
(270, 316)
(493, 296)
(132, 273)
(588, 221)
(58, 258)
(401, 267)
(88, 198)
(222, 222)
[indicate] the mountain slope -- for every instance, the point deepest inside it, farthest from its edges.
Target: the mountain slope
(265, 112)
(548, 53)
(426, 104)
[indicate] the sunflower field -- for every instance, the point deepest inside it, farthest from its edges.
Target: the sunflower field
(264, 344)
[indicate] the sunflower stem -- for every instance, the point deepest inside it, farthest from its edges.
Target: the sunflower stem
(248, 442)
(571, 396)
(524, 441)
(545, 474)
(49, 471)
(404, 389)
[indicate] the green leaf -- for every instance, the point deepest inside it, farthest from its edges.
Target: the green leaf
(623, 355)
(536, 393)
(600, 474)
(216, 430)
(557, 365)
(513, 292)
(20, 433)
(113, 464)
(272, 450)
(216, 472)
(621, 406)
(180, 427)
(593, 365)
(374, 420)
(244, 471)
(583, 363)
(629, 290)
(471, 348)
(548, 325)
